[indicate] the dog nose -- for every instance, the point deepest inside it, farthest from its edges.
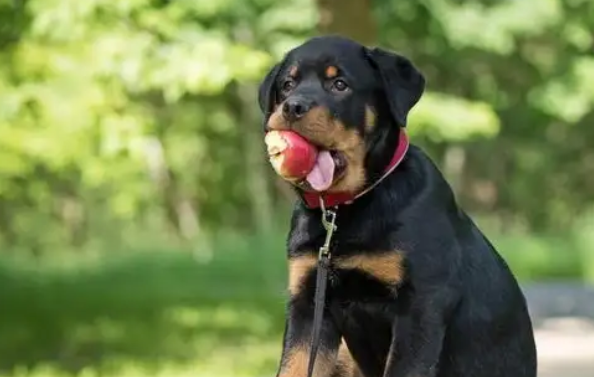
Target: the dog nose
(295, 108)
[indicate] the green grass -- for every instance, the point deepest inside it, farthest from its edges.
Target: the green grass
(152, 313)
(545, 257)
(166, 313)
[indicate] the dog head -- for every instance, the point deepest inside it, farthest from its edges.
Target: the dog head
(346, 99)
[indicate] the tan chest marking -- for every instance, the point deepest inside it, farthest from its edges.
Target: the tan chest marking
(299, 268)
(386, 267)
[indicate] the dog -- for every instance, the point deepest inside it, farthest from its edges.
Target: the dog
(414, 289)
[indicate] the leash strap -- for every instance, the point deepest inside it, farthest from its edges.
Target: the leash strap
(329, 223)
(321, 281)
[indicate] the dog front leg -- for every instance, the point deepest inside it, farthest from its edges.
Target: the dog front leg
(417, 337)
(297, 342)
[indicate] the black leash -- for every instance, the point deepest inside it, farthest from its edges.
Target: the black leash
(329, 223)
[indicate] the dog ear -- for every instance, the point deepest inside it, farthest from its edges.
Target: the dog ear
(403, 84)
(266, 92)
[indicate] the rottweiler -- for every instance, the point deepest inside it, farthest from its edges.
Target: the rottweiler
(415, 289)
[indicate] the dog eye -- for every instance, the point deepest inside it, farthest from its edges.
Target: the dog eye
(288, 85)
(340, 85)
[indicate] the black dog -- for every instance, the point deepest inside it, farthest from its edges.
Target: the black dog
(415, 289)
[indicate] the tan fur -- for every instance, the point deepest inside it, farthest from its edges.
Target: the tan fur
(299, 267)
(370, 118)
(386, 267)
(345, 363)
(331, 72)
(318, 126)
(293, 71)
(296, 361)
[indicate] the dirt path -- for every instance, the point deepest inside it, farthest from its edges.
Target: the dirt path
(563, 316)
(566, 348)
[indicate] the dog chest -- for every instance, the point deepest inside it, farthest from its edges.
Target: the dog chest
(353, 278)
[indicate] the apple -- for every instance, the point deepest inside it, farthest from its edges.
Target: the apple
(291, 155)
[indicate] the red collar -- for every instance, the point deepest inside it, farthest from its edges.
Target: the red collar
(312, 199)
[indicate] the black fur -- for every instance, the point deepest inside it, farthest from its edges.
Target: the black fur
(458, 311)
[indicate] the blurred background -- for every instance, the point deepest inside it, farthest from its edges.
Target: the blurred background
(141, 228)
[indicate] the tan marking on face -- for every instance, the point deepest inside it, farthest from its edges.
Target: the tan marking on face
(299, 268)
(387, 268)
(320, 128)
(293, 71)
(296, 360)
(370, 118)
(276, 121)
(331, 72)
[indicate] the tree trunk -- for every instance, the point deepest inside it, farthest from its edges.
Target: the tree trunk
(260, 197)
(349, 18)
(454, 164)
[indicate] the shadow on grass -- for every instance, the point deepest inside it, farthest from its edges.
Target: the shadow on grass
(150, 309)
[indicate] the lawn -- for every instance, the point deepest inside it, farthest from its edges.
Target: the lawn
(158, 313)
(166, 313)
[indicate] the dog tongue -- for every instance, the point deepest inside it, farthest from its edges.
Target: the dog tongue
(322, 175)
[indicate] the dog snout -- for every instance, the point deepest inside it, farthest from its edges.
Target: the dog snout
(296, 108)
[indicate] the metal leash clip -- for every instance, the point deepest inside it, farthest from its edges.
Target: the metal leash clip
(329, 223)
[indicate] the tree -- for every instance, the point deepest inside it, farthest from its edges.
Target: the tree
(352, 18)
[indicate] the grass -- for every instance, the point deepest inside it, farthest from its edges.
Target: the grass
(165, 313)
(159, 313)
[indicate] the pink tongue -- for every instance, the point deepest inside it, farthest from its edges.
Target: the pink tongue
(322, 175)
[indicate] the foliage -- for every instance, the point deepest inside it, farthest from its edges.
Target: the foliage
(130, 104)
(125, 125)
(527, 66)
(140, 115)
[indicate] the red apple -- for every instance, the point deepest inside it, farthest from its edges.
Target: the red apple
(291, 155)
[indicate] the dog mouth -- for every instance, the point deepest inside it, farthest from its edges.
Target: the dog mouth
(329, 168)
(331, 164)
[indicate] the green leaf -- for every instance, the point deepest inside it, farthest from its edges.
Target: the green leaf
(446, 118)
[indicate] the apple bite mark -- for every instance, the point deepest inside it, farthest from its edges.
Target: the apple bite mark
(291, 156)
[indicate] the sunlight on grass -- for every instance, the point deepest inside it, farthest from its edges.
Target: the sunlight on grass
(214, 342)
(146, 314)
(251, 359)
(223, 319)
